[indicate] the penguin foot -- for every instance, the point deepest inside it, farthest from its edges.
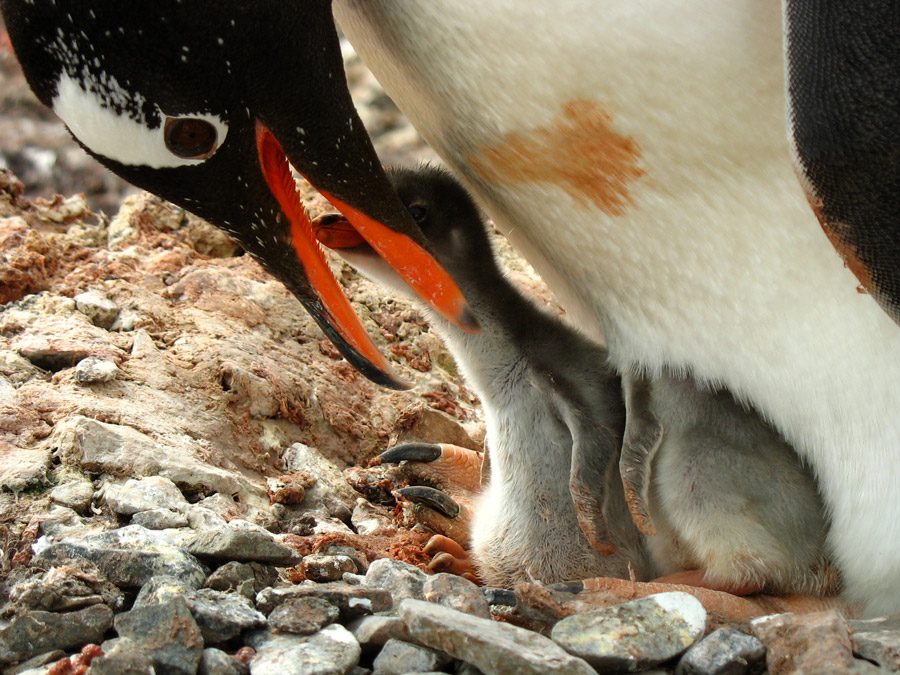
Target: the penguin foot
(724, 609)
(440, 465)
(448, 556)
(444, 481)
(697, 578)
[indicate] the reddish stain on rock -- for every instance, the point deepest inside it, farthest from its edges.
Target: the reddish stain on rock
(579, 151)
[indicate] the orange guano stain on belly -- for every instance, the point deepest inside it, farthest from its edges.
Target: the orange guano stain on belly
(578, 151)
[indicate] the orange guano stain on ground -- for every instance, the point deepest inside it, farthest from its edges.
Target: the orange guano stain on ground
(578, 150)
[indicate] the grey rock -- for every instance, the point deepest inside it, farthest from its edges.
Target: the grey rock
(323, 568)
(202, 519)
(98, 308)
(456, 593)
(65, 588)
(331, 651)
(356, 555)
(375, 631)
(330, 482)
(818, 642)
(352, 601)
(353, 579)
(634, 635)
(159, 519)
(216, 662)
(220, 616)
(493, 647)
(248, 579)
(35, 632)
(400, 579)
(224, 505)
(26, 469)
(398, 657)
(243, 546)
(722, 652)
(125, 657)
(94, 370)
(74, 494)
(368, 519)
(134, 496)
(167, 633)
(121, 450)
(128, 556)
(35, 662)
(303, 616)
(878, 640)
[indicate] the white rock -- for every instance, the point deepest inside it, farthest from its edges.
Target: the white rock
(92, 370)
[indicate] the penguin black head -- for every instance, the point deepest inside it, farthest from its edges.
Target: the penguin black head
(445, 213)
(204, 104)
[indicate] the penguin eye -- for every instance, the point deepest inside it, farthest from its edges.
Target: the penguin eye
(418, 211)
(190, 137)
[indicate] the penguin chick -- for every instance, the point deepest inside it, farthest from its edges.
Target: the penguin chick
(721, 493)
(545, 389)
(731, 501)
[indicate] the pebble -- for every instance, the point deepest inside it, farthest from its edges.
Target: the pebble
(319, 567)
(94, 370)
(134, 496)
(34, 632)
(160, 519)
(456, 593)
(491, 646)
(634, 635)
(128, 556)
(723, 652)
(375, 631)
(819, 642)
(352, 601)
(66, 588)
(242, 545)
(220, 616)
(167, 633)
(368, 519)
(216, 662)
(330, 482)
(878, 640)
(399, 657)
(98, 308)
(400, 579)
(202, 519)
(248, 579)
(125, 657)
(356, 555)
(331, 651)
(303, 616)
(74, 494)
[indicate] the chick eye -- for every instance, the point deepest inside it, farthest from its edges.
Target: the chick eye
(190, 137)
(418, 212)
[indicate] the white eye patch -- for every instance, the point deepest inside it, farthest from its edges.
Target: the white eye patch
(118, 136)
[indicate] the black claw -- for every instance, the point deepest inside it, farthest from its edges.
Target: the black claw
(438, 500)
(574, 587)
(411, 452)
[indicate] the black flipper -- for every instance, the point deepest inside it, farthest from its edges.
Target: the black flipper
(843, 68)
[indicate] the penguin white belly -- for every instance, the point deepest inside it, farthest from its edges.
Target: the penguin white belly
(635, 151)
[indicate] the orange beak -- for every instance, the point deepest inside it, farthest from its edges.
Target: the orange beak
(412, 262)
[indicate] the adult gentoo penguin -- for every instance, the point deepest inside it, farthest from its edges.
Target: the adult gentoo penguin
(204, 107)
(635, 150)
